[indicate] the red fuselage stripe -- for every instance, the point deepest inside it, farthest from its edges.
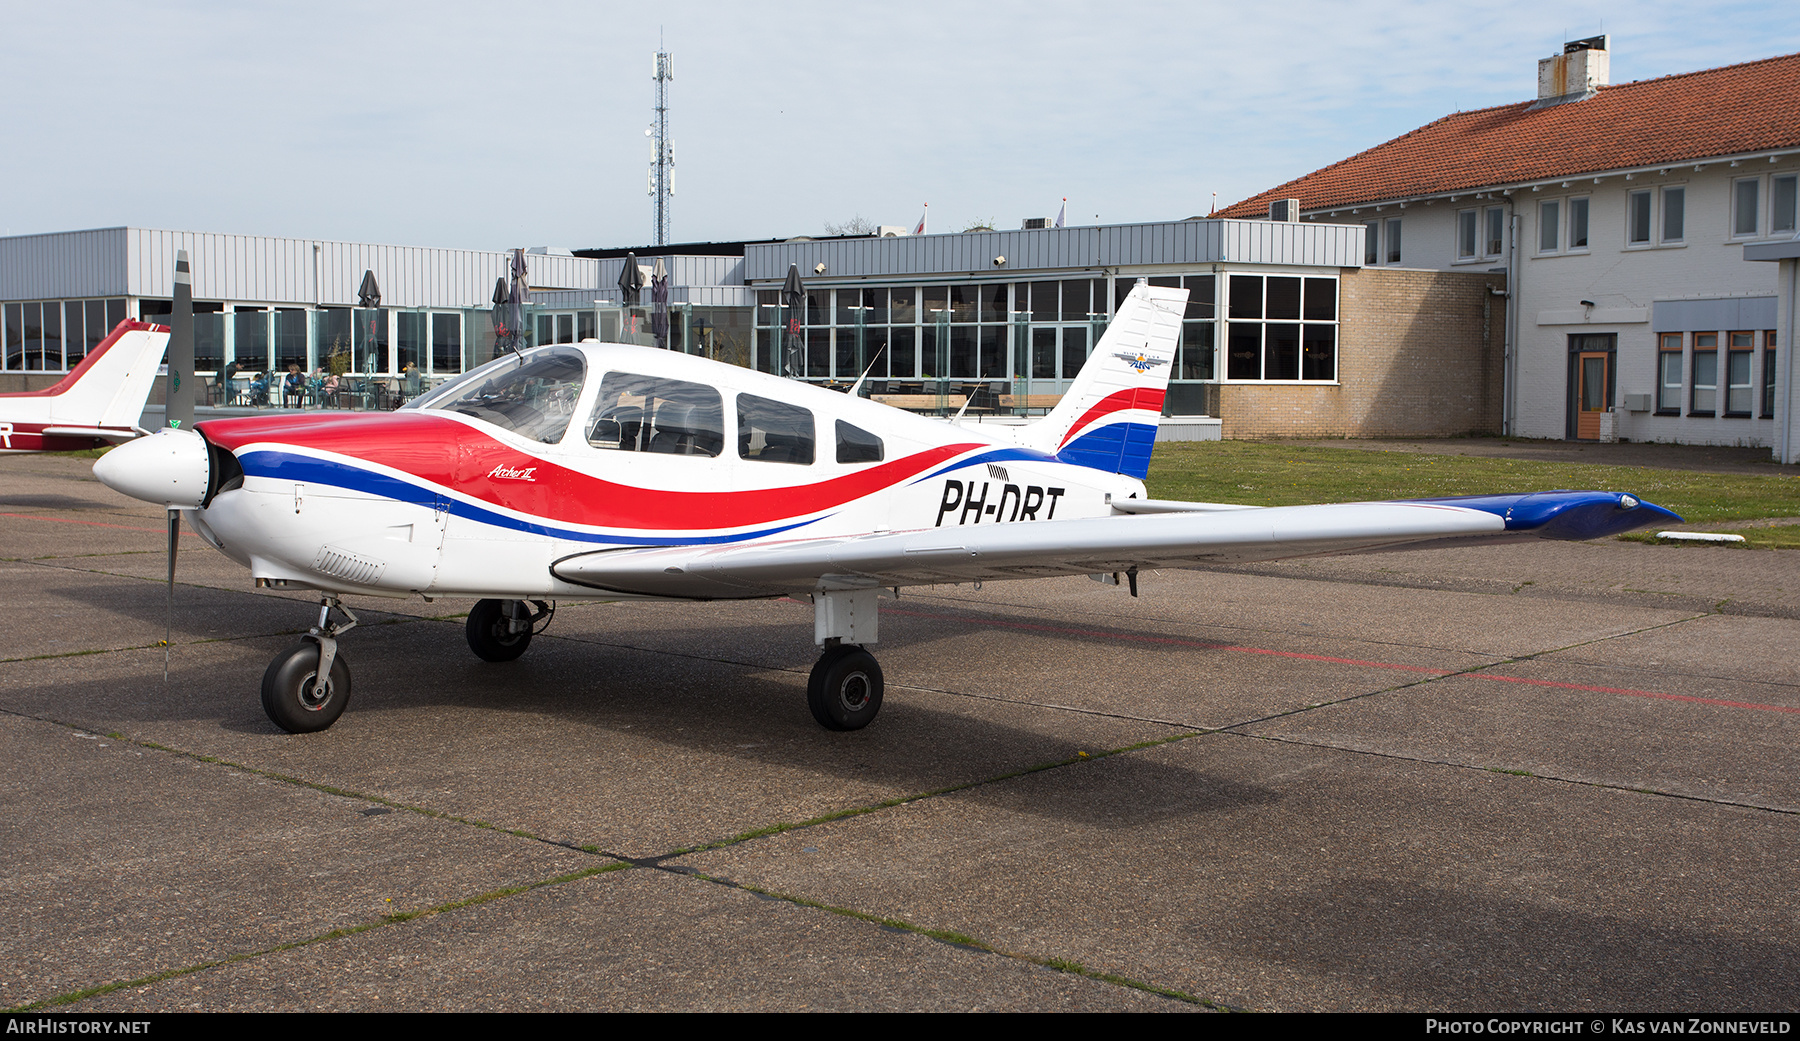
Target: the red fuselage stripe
(454, 455)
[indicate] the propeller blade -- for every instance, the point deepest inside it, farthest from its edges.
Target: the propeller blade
(179, 395)
(169, 614)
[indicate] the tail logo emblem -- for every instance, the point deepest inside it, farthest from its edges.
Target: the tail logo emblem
(1141, 361)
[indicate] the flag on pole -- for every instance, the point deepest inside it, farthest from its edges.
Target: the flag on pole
(1062, 215)
(920, 230)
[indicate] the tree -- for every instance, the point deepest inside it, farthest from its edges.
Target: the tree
(981, 224)
(857, 225)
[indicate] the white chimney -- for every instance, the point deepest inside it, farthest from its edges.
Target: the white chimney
(1582, 68)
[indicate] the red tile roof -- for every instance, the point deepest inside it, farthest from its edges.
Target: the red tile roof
(1751, 107)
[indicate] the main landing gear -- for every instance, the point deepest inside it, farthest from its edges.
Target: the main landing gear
(844, 691)
(307, 686)
(500, 630)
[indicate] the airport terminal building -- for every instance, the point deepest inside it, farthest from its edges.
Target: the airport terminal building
(1288, 332)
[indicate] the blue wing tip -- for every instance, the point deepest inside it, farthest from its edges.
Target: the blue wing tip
(1570, 515)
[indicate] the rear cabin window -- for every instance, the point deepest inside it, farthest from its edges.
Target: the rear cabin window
(773, 431)
(856, 445)
(650, 414)
(534, 397)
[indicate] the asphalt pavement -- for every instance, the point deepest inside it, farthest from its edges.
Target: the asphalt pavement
(1518, 777)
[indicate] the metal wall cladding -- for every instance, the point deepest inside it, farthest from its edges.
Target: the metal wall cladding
(264, 269)
(64, 265)
(1719, 315)
(1051, 249)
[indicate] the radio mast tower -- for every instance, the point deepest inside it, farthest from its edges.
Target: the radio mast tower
(662, 165)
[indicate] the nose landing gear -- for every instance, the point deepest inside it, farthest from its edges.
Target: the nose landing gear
(307, 686)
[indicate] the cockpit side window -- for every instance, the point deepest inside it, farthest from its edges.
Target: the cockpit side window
(650, 414)
(856, 445)
(534, 397)
(772, 431)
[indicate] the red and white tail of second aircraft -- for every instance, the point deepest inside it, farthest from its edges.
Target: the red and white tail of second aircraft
(609, 472)
(99, 402)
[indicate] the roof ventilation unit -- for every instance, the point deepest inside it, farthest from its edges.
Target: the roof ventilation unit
(1285, 209)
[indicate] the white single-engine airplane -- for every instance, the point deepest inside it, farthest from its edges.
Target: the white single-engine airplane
(99, 402)
(607, 472)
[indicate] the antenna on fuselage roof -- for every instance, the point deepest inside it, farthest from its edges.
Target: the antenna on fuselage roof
(854, 387)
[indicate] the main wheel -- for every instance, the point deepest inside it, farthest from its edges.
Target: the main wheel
(844, 691)
(487, 631)
(287, 690)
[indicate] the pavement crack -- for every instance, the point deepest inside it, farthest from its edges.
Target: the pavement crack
(959, 940)
(396, 918)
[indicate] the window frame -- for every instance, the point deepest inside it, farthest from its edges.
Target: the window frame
(1736, 209)
(1668, 395)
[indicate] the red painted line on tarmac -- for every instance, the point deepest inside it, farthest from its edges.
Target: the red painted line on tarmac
(1395, 666)
(91, 524)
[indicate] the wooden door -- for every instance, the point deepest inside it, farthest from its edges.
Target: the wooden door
(1590, 395)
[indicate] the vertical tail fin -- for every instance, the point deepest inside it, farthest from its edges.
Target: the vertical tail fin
(1108, 418)
(109, 387)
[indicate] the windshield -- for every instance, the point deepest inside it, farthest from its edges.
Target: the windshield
(534, 397)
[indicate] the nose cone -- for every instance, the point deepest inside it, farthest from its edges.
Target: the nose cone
(169, 468)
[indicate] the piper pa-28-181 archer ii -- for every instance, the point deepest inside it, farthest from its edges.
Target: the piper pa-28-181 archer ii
(99, 402)
(609, 472)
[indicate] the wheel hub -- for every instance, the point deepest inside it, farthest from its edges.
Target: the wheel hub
(308, 699)
(853, 693)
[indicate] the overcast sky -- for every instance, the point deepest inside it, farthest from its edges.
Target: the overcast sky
(489, 125)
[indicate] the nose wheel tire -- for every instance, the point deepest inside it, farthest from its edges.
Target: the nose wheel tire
(844, 691)
(288, 695)
(489, 632)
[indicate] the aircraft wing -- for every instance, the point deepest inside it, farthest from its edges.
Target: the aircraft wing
(1042, 549)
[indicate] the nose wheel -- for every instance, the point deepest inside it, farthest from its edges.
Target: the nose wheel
(307, 686)
(844, 691)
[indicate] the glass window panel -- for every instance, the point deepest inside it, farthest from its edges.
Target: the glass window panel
(637, 413)
(1638, 219)
(1246, 296)
(1706, 378)
(14, 319)
(1393, 240)
(962, 352)
(993, 352)
(903, 352)
(1283, 297)
(1201, 297)
(1465, 234)
(818, 353)
(856, 445)
(1674, 213)
(535, 400)
(1745, 195)
(1196, 351)
(993, 302)
(1243, 349)
(1496, 231)
(31, 349)
(209, 342)
(1043, 354)
(1044, 306)
(1075, 300)
(97, 327)
(332, 333)
(1549, 219)
(932, 361)
(446, 342)
(51, 356)
(1578, 223)
(412, 340)
(250, 340)
(936, 304)
(1372, 242)
(565, 331)
(75, 335)
(772, 431)
(818, 307)
(1668, 391)
(1319, 358)
(1321, 299)
(584, 326)
(1768, 378)
(1737, 383)
(964, 301)
(1074, 352)
(1784, 194)
(1281, 351)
